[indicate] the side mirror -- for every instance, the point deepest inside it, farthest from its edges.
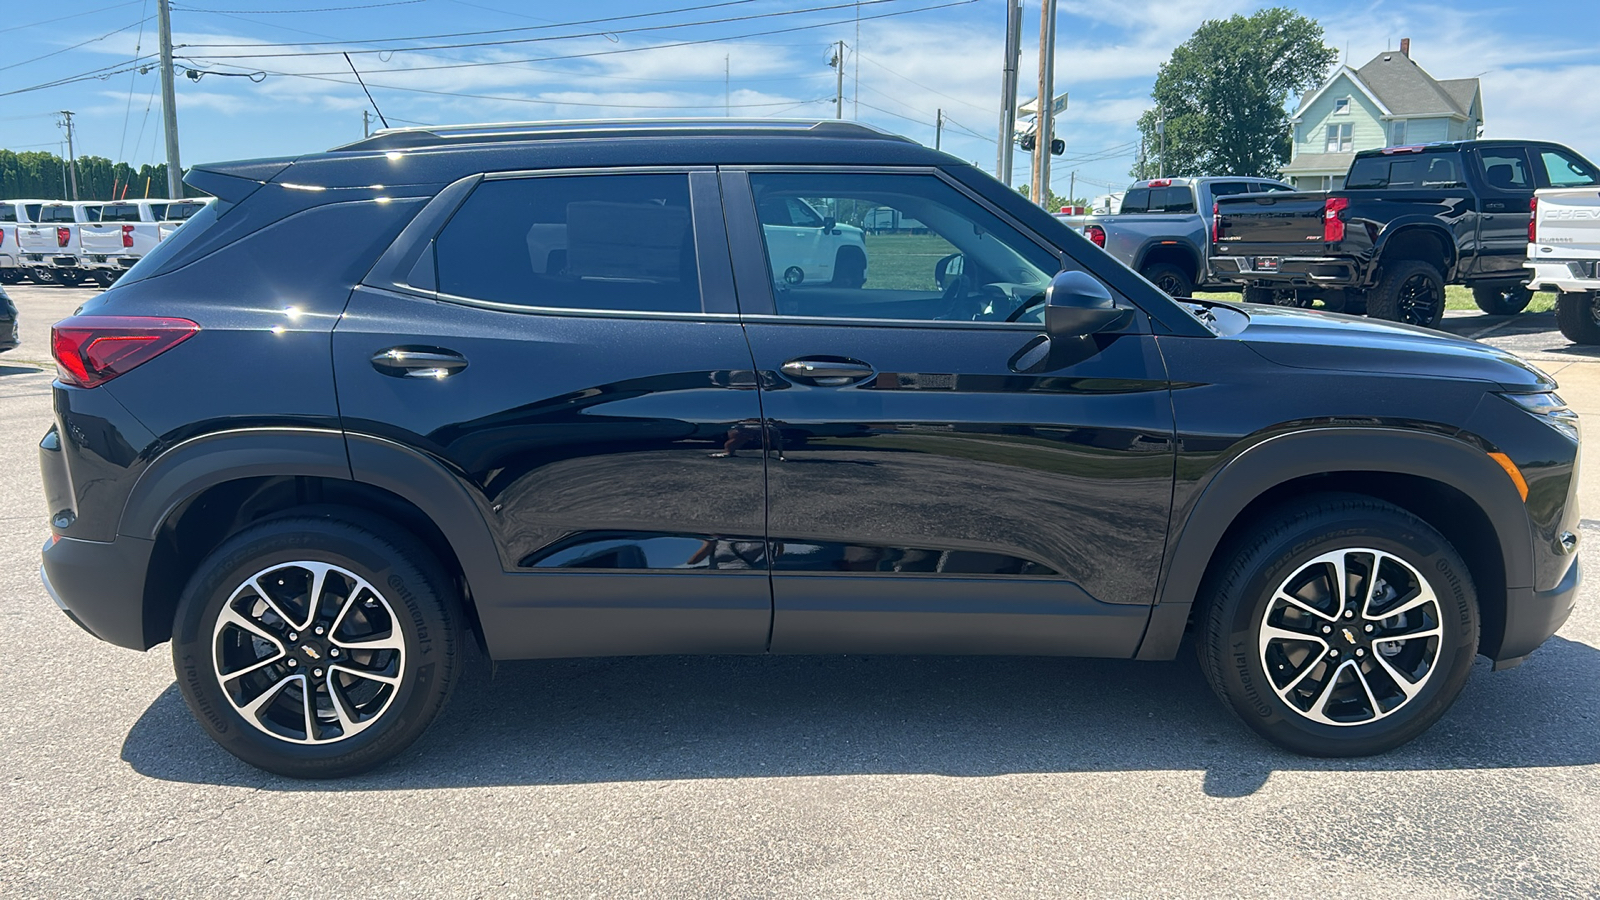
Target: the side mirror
(1077, 304)
(948, 269)
(828, 223)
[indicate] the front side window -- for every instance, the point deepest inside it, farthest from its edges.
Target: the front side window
(1339, 138)
(586, 242)
(1505, 169)
(906, 247)
(1563, 170)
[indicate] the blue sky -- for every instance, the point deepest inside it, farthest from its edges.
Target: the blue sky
(909, 61)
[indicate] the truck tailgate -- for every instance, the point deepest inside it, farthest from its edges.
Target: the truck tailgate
(1292, 219)
(1570, 220)
(40, 238)
(106, 239)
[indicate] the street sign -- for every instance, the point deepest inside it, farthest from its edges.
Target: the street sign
(1031, 108)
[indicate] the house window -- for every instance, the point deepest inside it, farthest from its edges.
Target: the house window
(1340, 138)
(1397, 133)
(1341, 106)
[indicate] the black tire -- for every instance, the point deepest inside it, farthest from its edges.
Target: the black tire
(1409, 291)
(10, 276)
(1277, 297)
(1578, 316)
(104, 278)
(849, 269)
(69, 277)
(41, 275)
(1173, 281)
(1501, 299)
(412, 599)
(1242, 592)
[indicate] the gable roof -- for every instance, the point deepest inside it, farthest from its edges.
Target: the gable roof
(1355, 79)
(1407, 90)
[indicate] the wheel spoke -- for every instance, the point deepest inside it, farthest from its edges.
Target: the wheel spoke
(261, 592)
(319, 576)
(1410, 635)
(1372, 583)
(347, 724)
(1296, 601)
(1320, 703)
(253, 667)
(1277, 633)
(1294, 684)
(267, 696)
(1366, 688)
(231, 616)
(1407, 687)
(308, 697)
(394, 641)
(1424, 596)
(363, 673)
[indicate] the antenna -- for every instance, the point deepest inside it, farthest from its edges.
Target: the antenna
(368, 93)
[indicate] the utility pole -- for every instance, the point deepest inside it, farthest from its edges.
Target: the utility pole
(1008, 90)
(366, 124)
(169, 101)
(63, 176)
(938, 127)
(855, 98)
(1072, 189)
(1161, 155)
(1044, 132)
(72, 155)
(838, 93)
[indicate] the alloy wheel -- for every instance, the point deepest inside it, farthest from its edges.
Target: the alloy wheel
(1421, 301)
(1351, 637)
(308, 652)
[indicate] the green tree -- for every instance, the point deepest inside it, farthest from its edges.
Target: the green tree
(1222, 95)
(42, 176)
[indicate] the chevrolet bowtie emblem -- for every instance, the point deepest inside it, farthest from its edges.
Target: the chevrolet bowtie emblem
(312, 651)
(1349, 636)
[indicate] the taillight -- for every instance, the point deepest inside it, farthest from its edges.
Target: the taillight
(1216, 223)
(92, 350)
(1533, 220)
(1332, 223)
(127, 235)
(63, 237)
(1097, 234)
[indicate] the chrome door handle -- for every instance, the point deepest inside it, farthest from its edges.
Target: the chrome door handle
(418, 362)
(827, 372)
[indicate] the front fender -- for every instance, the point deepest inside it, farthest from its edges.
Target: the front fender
(1298, 454)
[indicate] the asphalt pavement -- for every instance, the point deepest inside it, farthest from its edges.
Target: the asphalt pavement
(783, 777)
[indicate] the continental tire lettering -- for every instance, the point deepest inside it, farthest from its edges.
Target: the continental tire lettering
(1241, 664)
(191, 673)
(398, 585)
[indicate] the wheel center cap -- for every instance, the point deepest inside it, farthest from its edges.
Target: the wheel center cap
(316, 654)
(1349, 635)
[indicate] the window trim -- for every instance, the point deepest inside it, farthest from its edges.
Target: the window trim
(1341, 111)
(752, 271)
(409, 266)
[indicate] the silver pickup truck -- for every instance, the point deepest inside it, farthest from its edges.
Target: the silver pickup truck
(1164, 228)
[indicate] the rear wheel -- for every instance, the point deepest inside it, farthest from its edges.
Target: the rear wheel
(1501, 299)
(1277, 297)
(317, 647)
(69, 277)
(1409, 291)
(10, 276)
(1173, 281)
(1578, 316)
(1339, 626)
(41, 275)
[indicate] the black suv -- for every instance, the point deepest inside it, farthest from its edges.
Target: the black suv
(586, 389)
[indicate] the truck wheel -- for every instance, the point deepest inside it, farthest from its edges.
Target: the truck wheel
(10, 276)
(1578, 316)
(1409, 291)
(317, 646)
(1173, 281)
(1340, 625)
(104, 278)
(41, 275)
(1501, 300)
(849, 269)
(69, 277)
(1277, 297)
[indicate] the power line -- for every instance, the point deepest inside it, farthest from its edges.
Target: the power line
(127, 111)
(869, 61)
(77, 45)
(64, 18)
(280, 12)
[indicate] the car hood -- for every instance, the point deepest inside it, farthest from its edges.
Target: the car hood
(1304, 339)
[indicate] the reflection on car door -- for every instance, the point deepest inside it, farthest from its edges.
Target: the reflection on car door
(796, 241)
(924, 495)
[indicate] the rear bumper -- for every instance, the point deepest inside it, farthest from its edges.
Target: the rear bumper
(1533, 616)
(100, 586)
(1565, 275)
(1300, 271)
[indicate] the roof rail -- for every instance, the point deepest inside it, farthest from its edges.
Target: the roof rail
(447, 135)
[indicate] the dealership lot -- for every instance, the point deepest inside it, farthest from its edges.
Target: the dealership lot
(834, 776)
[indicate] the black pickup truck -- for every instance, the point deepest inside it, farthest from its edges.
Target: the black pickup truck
(1409, 221)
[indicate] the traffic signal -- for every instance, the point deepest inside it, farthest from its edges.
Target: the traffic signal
(1057, 146)
(1031, 140)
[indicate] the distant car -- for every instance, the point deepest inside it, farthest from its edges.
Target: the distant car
(807, 247)
(179, 212)
(125, 231)
(9, 337)
(51, 244)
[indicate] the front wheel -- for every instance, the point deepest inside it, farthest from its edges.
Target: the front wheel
(317, 646)
(849, 269)
(1501, 299)
(1173, 281)
(1409, 291)
(1339, 626)
(1578, 316)
(41, 275)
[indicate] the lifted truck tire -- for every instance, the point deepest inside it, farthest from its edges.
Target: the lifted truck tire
(1501, 299)
(1173, 281)
(1305, 624)
(1409, 291)
(1576, 313)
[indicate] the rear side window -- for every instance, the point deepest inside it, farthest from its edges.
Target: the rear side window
(1564, 170)
(1174, 200)
(1505, 169)
(1136, 201)
(591, 242)
(33, 210)
(178, 212)
(1227, 188)
(1410, 172)
(1267, 187)
(119, 212)
(53, 214)
(8, 213)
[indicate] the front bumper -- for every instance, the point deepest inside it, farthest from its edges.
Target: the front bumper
(100, 586)
(1532, 617)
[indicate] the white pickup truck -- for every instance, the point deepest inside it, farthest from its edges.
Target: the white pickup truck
(173, 214)
(1564, 255)
(51, 245)
(805, 246)
(125, 232)
(12, 212)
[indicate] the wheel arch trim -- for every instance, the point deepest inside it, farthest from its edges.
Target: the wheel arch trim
(1282, 458)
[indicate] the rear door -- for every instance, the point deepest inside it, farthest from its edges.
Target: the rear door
(932, 487)
(575, 357)
(1507, 188)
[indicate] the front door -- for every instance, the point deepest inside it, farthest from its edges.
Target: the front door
(931, 487)
(582, 368)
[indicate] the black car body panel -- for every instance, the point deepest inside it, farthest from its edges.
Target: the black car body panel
(627, 481)
(9, 336)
